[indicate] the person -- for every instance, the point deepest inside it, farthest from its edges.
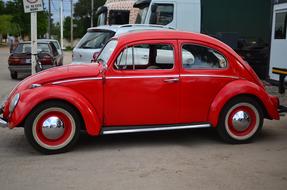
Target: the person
(15, 43)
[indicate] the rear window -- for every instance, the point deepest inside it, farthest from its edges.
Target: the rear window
(26, 48)
(95, 39)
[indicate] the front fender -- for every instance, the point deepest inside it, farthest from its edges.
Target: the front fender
(236, 88)
(30, 98)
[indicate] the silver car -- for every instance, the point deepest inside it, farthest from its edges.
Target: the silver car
(93, 41)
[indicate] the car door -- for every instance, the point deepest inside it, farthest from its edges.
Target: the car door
(205, 69)
(141, 90)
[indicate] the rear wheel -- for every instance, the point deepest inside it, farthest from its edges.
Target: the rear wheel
(53, 127)
(240, 121)
(13, 75)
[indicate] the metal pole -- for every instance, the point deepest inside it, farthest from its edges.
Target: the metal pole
(61, 23)
(72, 37)
(92, 13)
(49, 21)
(33, 41)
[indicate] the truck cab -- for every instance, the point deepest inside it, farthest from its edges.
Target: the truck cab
(166, 12)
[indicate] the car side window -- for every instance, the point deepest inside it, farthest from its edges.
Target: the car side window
(200, 57)
(145, 56)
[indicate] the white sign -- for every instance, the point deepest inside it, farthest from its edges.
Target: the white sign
(33, 6)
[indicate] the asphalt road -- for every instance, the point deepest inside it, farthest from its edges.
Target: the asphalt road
(185, 160)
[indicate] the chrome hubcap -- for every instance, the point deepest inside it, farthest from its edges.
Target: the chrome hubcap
(241, 120)
(53, 128)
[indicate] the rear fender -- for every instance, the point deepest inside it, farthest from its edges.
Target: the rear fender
(30, 98)
(237, 88)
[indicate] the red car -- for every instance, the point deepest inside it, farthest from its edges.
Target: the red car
(143, 81)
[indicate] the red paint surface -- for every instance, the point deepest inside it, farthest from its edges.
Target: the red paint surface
(142, 97)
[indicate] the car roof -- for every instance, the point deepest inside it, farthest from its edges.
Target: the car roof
(126, 38)
(119, 29)
(47, 40)
(38, 41)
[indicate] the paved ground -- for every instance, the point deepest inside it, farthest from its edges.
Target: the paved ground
(192, 159)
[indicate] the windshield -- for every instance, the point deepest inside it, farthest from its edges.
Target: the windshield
(102, 19)
(95, 39)
(107, 52)
(141, 15)
(26, 48)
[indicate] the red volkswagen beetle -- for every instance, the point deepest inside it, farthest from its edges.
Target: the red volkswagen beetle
(143, 81)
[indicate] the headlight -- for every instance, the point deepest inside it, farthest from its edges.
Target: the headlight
(14, 103)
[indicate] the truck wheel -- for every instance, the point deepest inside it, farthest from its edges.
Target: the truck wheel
(53, 127)
(13, 75)
(240, 120)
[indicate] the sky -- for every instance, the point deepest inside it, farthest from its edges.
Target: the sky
(55, 8)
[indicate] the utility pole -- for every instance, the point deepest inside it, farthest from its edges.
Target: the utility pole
(92, 13)
(72, 24)
(61, 23)
(33, 41)
(49, 20)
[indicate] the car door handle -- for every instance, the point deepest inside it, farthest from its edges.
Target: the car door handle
(171, 80)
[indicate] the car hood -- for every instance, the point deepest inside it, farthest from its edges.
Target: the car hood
(60, 73)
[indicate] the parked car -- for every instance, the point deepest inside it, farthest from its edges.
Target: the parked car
(201, 83)
(19, 60)
(56, 44)
(93, 41)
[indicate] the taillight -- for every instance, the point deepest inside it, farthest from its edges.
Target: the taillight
(46, 60)
(14, 60)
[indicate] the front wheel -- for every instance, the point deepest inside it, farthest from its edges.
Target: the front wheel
(53, 127)
(240, 120)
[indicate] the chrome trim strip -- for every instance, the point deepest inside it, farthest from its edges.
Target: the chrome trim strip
(120, 131)
(76, 80)
(144, 76)
(206, 75)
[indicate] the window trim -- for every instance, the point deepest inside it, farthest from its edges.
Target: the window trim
(275, 19)
(164, 4)
(207, 69)
(144, 43)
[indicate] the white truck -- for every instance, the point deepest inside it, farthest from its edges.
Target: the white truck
(160, 12)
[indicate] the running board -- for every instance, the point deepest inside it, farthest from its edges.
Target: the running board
(139, 129)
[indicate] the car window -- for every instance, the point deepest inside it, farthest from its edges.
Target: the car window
(163, 14)
(105, 54)
(26, 48)
(57, 45)
(95, 39)
(54, 49)
(280, 25)
(146, 56)
(200, 57)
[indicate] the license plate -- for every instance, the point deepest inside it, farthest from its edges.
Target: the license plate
(28, 60)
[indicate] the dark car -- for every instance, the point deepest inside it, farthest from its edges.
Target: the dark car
(20, 59)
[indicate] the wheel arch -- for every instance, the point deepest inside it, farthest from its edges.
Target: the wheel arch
(237, 89)
(29, 101)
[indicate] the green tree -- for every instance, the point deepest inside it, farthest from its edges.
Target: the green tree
(82, 15)
(67, 27)
(21, 21)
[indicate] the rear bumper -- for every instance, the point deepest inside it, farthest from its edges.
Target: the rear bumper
(25, 68)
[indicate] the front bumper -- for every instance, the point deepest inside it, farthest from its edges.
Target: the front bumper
(282, 109)
(3, 123)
